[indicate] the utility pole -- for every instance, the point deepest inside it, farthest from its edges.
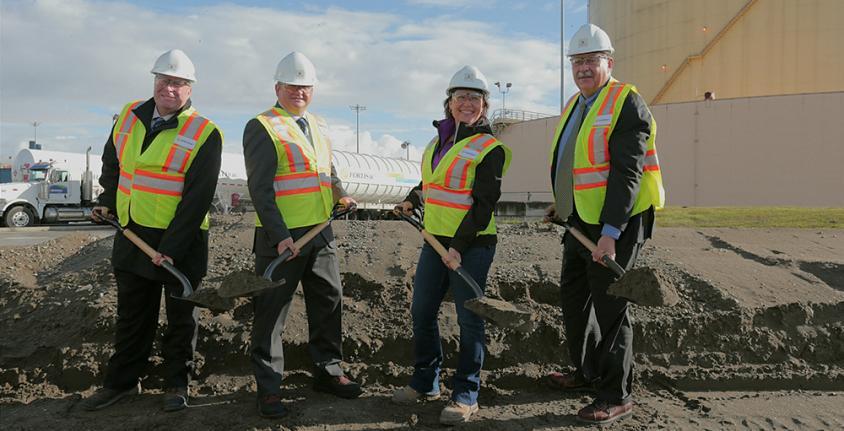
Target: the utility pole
(357, 109)
(563, 55)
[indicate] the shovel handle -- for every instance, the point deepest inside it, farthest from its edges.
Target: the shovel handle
(141, 244)
(430, 239)
(611, 264)
(187, 288)
(339, 210)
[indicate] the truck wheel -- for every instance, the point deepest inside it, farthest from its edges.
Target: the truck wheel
(19, 216)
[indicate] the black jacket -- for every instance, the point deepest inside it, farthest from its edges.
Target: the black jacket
(183, 240)
(261, 164)
(628, 145)
(485, 192)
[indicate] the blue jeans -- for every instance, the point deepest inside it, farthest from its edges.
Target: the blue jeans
(432, 281)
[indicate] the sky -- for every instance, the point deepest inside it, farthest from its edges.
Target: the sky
(69, 65)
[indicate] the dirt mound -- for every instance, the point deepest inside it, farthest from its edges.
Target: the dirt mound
(58, 303)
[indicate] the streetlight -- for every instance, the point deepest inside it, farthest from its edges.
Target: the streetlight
(503, 88)
(406, 146)
(357, 109)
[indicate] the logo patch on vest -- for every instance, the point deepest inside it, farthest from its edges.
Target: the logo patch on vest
(603, 120)
(185, 142)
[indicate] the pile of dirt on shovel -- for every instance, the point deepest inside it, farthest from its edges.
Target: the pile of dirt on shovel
(57, 322)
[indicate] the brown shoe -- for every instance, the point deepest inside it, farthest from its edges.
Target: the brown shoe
(601, 412)
(566, 381)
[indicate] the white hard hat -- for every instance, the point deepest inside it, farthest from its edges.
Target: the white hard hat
(175, 63)
(296, 69)
(468, 77)
(590, 38)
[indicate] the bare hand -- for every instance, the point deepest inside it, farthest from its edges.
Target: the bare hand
(288, 244)
(159, 258)
(550, 214)
(406, 207)
(348, 202)
(605, 246)
(453, 258)
(99, 214)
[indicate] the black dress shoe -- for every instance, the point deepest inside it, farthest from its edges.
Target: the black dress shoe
(106, 397)
(270, 406)
(340, 386)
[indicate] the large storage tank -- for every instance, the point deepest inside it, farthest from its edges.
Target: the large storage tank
(73, 162)
(677, 50)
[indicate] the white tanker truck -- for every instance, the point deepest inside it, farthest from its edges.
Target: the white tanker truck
(377, 183)
(57, 187)
(50, 187)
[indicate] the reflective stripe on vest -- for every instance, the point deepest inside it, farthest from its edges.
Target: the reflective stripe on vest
(306, 182)
(438, 195)
(124, 129)
(158, 183)
(296, 160)
(455, 177)
(599, 151)
(184, 143)
(124, 184)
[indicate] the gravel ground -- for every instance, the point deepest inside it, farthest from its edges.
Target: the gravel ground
(755, 342)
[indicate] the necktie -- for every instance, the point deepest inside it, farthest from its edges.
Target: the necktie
(563, 180)
(303, 124)
(157, 122)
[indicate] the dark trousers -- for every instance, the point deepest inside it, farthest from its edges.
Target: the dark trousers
(599, 330)
(319, 271)
(138, 304)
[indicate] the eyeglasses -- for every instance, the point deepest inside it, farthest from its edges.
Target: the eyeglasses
(468, 97)
(293, 89)
(588, 61)
(171, 82)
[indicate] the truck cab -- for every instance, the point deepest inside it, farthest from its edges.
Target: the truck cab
(49, 193)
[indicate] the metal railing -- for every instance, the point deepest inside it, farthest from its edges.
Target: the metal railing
(516, 115)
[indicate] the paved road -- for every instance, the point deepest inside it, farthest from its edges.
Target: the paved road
(23, 237)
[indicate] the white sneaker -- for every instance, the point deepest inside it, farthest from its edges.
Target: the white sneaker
(407, 395)
(455, 413)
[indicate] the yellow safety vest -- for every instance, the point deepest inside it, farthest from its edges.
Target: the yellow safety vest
(448, 188)
(150, 184)
(302, 183)
(592, 155)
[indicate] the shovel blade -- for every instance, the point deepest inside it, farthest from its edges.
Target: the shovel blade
(646, 287)
(210, 299)
(502, 313)
(243, 283)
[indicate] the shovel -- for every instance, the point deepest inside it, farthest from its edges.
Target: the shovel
(643, 286)
(500, 312)
(245, 283)
(187, 289)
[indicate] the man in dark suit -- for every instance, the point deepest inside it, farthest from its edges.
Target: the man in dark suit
(160, 168)
(606, 182)
(294, 186)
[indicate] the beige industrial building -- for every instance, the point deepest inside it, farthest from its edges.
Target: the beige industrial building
(771, 136)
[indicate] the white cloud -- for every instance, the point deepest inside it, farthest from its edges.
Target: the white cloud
(96, 56)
